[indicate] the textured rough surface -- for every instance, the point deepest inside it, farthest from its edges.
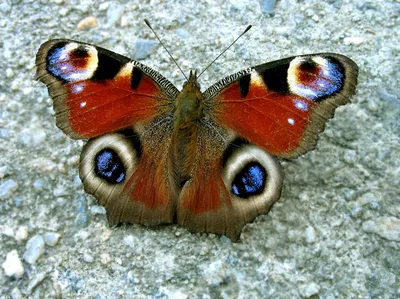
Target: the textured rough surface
(335, 231)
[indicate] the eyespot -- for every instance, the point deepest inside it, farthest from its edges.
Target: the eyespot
(109, 166)
(72, 62)
(254, 179)
(107, 162)
(250, 180)
(315, 77)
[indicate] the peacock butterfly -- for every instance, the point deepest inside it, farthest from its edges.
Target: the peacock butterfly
(205, 160)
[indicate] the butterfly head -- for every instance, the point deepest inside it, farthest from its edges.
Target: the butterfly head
(192, 83)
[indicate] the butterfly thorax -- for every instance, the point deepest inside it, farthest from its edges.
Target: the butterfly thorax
(187, 117)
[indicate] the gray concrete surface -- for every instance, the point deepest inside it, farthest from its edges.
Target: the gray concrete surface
(335, 233)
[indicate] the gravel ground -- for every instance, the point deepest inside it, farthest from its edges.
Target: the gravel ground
(335, 233)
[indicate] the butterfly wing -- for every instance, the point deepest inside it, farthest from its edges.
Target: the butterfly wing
(124, 108)
(96, 91)
(276, 108)
(282, 106)
(232, 183)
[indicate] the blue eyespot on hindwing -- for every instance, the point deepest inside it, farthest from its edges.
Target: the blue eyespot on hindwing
(109, 166)
(250, 180)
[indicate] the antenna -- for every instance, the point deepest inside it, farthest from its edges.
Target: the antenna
(162, 44)
(247, 29)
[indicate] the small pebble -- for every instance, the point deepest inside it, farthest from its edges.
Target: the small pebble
(7, 188)
(183, 33)
(87, 23)
(13, 265)
(34, 249)
(130, 277)
(104, 6)
(310, 289)
(21, 234)
(16, 294)
(88, 258)
(143, 48)
(82, 234)
(97, 210)
(353, 40)
(51, 239)
(60, 192)
(114, 13)
(129, 241)
(339, 244)
(356, 212)
(267, 6)
(35, 282)
(3, 171)
(310, 234)
(105, 258)
(39, 184)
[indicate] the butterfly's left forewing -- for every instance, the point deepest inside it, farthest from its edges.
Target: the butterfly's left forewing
(96, 91)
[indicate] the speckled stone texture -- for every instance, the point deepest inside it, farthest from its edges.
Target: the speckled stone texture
(335, 233)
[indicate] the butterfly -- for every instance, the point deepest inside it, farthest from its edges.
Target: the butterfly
(205, 160)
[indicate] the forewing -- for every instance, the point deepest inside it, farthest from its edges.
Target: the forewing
(96, 91)
(282, 106)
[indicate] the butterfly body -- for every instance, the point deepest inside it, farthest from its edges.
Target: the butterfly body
(204, 160)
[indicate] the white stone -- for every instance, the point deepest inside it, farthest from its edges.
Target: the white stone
(129, 241)
(105, 258)
(13, 265)
(310, 289)
(97, 210)
(34, 249)
(51, 238)
(310, 234)
(7, 188)
(88, 258)
(16, 294)
(353, 40)
(21, 234)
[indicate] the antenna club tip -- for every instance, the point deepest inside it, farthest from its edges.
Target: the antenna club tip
(147, 22)
(248, 28)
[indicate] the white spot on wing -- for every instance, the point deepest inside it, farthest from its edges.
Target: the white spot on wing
(291, 121)
(78, 88)
(301, 105)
